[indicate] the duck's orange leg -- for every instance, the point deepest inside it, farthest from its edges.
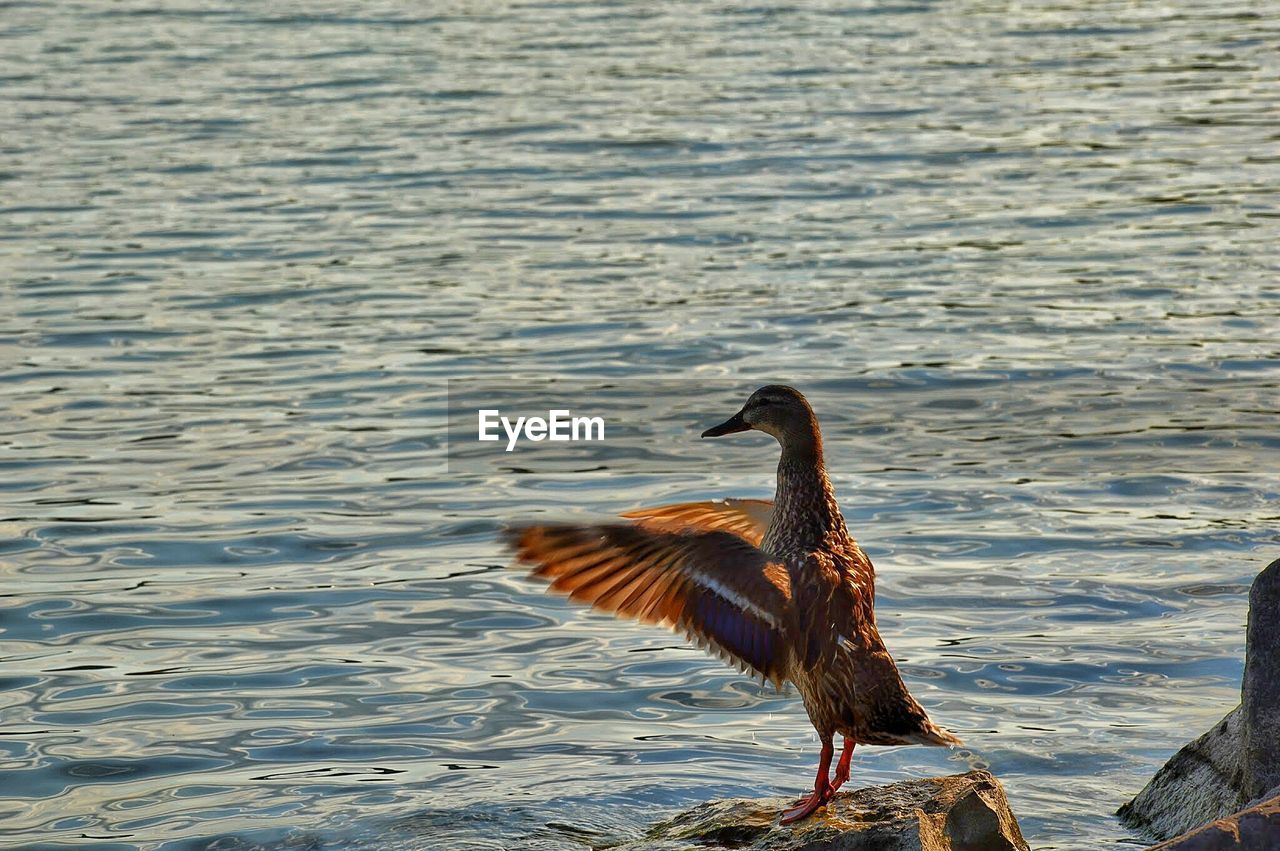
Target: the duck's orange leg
(821, 787)
(842, 767)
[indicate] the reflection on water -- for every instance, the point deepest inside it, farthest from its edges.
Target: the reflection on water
(1022, 259)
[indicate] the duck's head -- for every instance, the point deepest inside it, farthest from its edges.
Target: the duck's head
(775, 409)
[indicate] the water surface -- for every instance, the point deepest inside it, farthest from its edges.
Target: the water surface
(1022, 258)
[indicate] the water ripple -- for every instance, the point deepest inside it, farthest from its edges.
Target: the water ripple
(1021, 259)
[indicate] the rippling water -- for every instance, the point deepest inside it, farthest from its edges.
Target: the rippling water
(1021, 257)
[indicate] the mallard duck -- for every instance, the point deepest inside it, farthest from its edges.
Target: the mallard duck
(779, 588)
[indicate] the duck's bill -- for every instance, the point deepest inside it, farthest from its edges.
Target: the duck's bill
(735, 423)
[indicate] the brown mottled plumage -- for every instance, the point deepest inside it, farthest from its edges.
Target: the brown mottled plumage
(781, 589)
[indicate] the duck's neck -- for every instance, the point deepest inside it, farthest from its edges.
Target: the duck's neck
(805, 513)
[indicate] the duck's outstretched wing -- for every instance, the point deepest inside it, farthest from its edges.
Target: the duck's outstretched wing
(746, 518)
(722, 592)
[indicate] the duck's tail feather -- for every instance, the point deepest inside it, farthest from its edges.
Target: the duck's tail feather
(935, 736)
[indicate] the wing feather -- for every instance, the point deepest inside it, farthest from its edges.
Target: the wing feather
(746, 518)
(714, 586)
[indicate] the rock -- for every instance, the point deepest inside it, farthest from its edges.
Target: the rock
(1239, 758)
(1260, 694)
(963, 812)
(1198, 784)
(1255, 827)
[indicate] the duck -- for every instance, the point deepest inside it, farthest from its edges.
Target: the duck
(778, 588)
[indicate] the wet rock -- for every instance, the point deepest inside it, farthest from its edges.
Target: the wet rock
(1255, 827)
(963, 812)
(1239, 758)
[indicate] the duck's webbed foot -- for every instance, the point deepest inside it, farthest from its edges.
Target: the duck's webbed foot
(806, 806)
(822, 790)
